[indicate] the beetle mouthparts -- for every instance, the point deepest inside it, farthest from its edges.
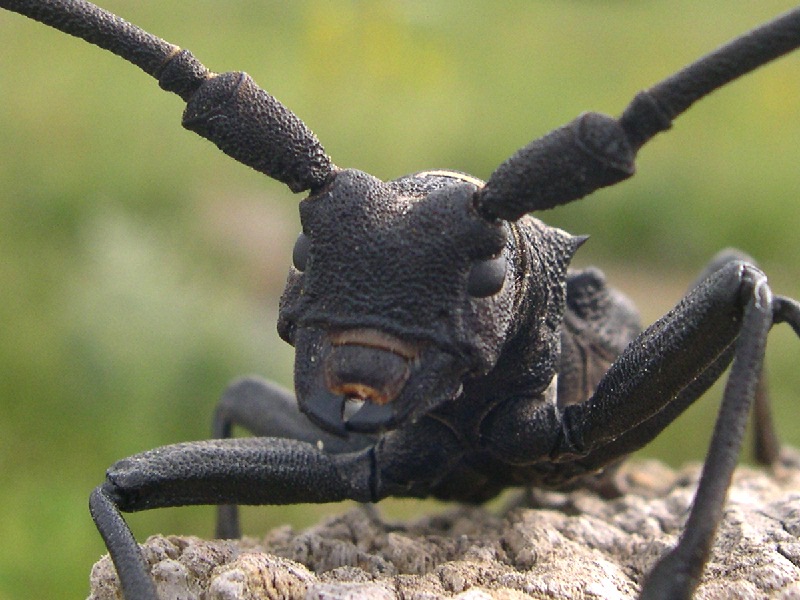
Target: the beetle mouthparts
(368, 365)
(363, 371)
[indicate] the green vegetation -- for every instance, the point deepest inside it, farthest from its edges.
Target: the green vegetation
(140, 267)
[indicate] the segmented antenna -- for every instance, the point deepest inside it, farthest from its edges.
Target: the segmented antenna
(596, 151)
(243, 120)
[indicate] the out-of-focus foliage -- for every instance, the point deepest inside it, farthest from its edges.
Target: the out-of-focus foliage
(140, 267)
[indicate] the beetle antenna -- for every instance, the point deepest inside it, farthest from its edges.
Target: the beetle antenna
(243, 120)
(596, 151)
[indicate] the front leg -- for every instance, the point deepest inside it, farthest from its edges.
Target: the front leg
(234, 471)
(766, 446)
(406, 461)
(657, 376)
(661, 373)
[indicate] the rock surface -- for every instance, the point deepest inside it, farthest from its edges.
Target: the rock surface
(567, 546)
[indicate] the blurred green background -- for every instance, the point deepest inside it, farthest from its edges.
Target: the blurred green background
(140, 267)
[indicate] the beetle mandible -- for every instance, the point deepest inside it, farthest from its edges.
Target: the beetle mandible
(443, 345)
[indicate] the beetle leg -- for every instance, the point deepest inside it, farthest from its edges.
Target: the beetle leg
(766, 447)
(132, 569)
(246, 470)
(677, 573)
(656, 377)
(726, 317)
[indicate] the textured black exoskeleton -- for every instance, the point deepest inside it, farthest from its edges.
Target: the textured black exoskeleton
(443, 346)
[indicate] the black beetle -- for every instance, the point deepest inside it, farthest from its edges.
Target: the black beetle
(443, 346)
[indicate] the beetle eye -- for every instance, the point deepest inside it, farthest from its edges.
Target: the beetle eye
(300, 252)
(486, 277)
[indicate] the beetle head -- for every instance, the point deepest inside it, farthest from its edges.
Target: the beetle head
(399, 290)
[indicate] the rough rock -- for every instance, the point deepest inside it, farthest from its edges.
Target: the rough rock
(575, 545)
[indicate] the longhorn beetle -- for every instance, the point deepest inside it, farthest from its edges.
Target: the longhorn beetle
(443, 345)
